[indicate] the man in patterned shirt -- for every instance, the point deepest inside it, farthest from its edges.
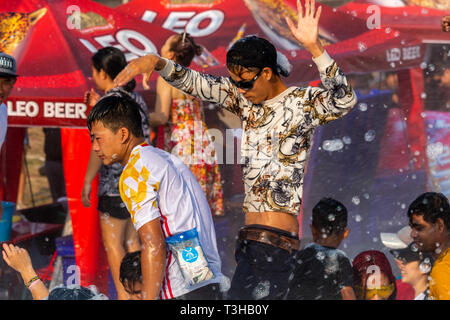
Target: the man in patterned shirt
(278, 125)
(163, 198)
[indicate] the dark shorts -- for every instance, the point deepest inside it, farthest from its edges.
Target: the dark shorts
(113, 206)
(262, 271)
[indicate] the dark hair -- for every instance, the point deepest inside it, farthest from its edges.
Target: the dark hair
(252, 52)
(130, 270)
(75, 292)
(329, 216)
(185, 49)
(431, 205)
(112, 61)
(116, 112)
(361, 264)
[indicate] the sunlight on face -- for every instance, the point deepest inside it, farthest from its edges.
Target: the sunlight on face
(106, 144)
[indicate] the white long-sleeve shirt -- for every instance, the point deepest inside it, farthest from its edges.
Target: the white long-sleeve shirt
(277, 134)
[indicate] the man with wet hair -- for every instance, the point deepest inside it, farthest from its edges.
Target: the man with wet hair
(323, 272)
(429, 218)
(278, 125)
(163, 198)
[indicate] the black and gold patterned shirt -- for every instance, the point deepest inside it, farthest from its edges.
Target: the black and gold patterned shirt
(277, 134)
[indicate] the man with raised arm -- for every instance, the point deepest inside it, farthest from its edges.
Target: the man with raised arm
(278, 126)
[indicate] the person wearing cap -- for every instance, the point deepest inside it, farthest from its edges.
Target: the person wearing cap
(415, 267)
(429, 218)
(278, 126)
(8, 78)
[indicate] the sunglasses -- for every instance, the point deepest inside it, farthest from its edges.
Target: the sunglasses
(246, 84)
(383, 292)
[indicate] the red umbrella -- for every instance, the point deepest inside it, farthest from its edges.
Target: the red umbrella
(216, 24)
(54, 42)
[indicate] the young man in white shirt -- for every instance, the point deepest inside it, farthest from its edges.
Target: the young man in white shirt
(164, 200)
(8, 77)
(278, 125)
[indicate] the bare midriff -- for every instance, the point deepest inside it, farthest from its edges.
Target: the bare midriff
(274, 219)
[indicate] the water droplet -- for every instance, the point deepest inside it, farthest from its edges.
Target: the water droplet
(358, 218)
(356, 200)
(347, 140)
(333, 145)
(434, 150)
(414, 247)
(331, 217)
(423, 95)
(320, 255)
(261, 290)
(362, 46)
(423, 65)
(425, 266)
(366, 196)
(362, 106)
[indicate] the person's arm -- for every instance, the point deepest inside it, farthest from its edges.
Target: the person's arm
(216, 90)
(93, 166)
(19, 259)
(338, 97)
(163, 103)
(347, 293)
(153, 259)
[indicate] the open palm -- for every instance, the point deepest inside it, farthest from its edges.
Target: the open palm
(307, 29)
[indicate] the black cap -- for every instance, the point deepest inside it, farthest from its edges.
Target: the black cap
(8, 65)
(252, 51)
(410, 254)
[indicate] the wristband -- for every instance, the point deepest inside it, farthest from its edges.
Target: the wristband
(32, 280)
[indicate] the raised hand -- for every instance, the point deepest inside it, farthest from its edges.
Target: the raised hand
(17, 258)
(307, 29)
(91, 97)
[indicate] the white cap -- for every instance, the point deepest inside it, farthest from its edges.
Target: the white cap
(399, 240)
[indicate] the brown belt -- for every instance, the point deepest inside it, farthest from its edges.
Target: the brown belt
(269, 237)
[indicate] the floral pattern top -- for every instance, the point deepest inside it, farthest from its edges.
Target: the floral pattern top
(277, 134)
(186, 136)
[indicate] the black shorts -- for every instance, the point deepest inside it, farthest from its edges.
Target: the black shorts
(113, 206)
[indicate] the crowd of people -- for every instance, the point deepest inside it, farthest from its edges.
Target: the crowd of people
(156, 204)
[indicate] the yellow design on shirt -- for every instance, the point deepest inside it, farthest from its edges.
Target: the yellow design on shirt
(133, 185)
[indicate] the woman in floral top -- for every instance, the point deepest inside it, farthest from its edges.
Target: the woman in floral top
(182, 126)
